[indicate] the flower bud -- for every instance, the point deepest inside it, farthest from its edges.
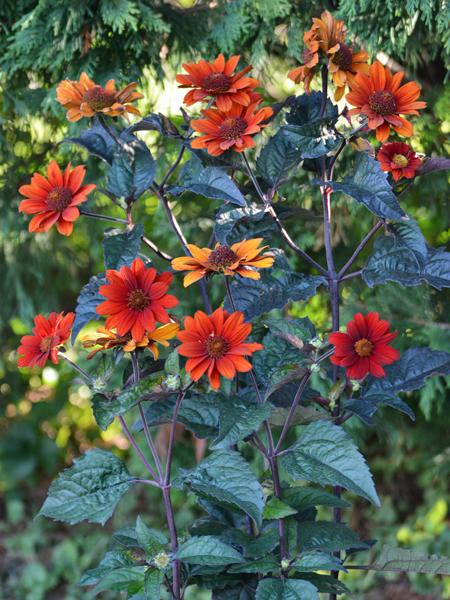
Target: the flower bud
(356, 386)
(161, 560)
(316, 342)
(314, 368)
(285, 564)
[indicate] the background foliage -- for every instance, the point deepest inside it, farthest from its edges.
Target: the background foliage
(46, 420)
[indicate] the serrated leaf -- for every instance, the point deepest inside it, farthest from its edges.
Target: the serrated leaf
(261, 566)
(97, 142)
(125, 578)
(87, 302)
(89, 490)
(132, 170)
(126, 536)
(302, 498)
(325, 454)
(296, 332)
(369, 186)
(326, 584)
(208, 550)
(256, 547)
(121, 247)
(277, 509)
(328, 536)
(366, 406)
(155, 122)
(226, 479)
(210, 182)
(307, 107)
(152, 584)
(113, 559)
(408, 561)
(235, 224)
(286, 589)
(238, 419)
(317, 561)
(150, 540)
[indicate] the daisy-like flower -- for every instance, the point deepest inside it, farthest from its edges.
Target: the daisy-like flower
(306, 71)
(343, 64)
(84, 98)
(241, 258)
(54, 199)
(231, 129)
(109, 338)
(48, 335)
(380, 97)
(365, 347)
(217, 80)
(136, 298)
(215, 345)
(399, 159)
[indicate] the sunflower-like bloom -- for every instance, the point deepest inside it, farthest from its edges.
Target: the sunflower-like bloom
(85, 98)
(241, 258)
(232, 129)
(365, 347)
(343, 64)
(399, 159)
(136, 298)
(380, 97)
(54, 199)
(48, 335)
(215, 345)
(306, 71)
(217, 80)
(109, 338)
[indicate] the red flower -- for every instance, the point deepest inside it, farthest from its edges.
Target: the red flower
(365, 346)
(232, 129)
(136, 299)
(399, 159)
(55, 199)
(48, 335)
(216, 80)
(215, 345)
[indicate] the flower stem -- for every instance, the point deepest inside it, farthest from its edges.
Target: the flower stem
(359, 249)
(74, 366)
(92, 215)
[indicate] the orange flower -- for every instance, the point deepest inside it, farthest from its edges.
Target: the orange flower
(399, 159)
(215, 345)
(330, 32)
(48, 335)
(109, 338)
(232, 129)
(380, 97)
(241, 258)
(136, 298)
(305, 72)
(54, 199)
(216, 80)
(343, 64)
(85, 98)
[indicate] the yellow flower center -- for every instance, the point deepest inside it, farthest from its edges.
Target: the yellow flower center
(59, 198)
(138, 300)
(221, 258)
(343, 57)
(400, 160)
(216, 346)
(363, 347)
(98, 98)
(233, 127)
(46, 343)
(216, 83)
(383, 102)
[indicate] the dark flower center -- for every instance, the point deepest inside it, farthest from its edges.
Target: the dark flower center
(400, 160)
(363, 347)
(59, 198)
(216, 346)
(343, 57)
(98, 98)
(216, 83)
(46, 343)
(383, 102)
(233, 128)
(221, 258)
(138, 300)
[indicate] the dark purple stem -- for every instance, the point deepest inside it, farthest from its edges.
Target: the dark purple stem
(359, 249)
(295, 403)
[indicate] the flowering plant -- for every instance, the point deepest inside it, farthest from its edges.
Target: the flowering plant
(270, 392)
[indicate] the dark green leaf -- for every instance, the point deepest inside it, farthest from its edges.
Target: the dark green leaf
(209, 551)
(114, 559)
(277, 509)
(402, 560)
(297, 332)
(150, 540)
(308, 107)
(87, 302)
(263, 566)
(235, 224)
(210, 182)
(125, 578)
(132, 171)
(97, 142)
(286, 589)
(326, 584)
(328, 536)
(317, 561)
(238, 419)
(121, 247)
(257, 547)
(325, 454)
(155, 122)
(89, 490)
(302, 498)
(230, 593)
(369, 186)
(152, 584)
(366, 406)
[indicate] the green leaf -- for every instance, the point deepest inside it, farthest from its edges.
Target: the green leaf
(87, 302)
(125, 578)
(150, 540)
(152, 584)
(210, 182)
(155, 122)
(433, 163)
(326, 584)
(302, 498)
(308, 107)
(366, 406)
(238, 419)
(402, 560)
(411, 371)
(325, 535)
(97, 142)
(235, 224)
(89, 490)
(277, 509)
(261, 566)
(230, 593)
(226, 479)
(132, 171)
(257, 547)
(325, 454)
(287, 589)
(208, 550)
(369, 186)
(114, 559)
(403, 256)
(121, 247)
(296, 332)
(317, 561)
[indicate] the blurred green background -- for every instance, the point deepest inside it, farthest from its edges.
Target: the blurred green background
(45, 417)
